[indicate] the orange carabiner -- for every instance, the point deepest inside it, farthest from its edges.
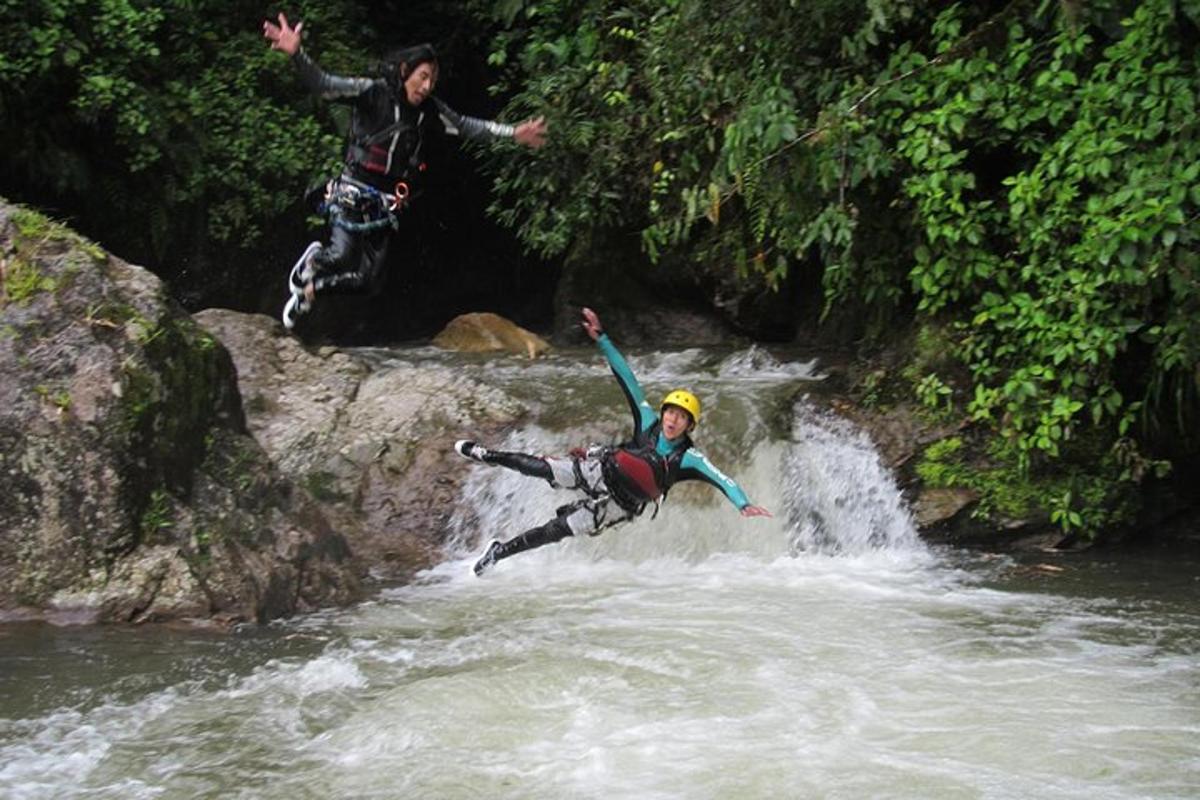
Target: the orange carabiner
(400, 194)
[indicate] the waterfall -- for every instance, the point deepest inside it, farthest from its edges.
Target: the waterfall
(839, 496)
(818, 474)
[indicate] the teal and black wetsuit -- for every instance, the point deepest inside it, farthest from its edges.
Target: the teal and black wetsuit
(646, 466)
(618, 481)
(384, 147)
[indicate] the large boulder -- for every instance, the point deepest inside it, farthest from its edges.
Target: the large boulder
(129, 488)
(484, 332)
(370, 438)
(939, 506)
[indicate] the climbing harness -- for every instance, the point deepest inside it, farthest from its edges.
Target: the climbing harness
(346, 198)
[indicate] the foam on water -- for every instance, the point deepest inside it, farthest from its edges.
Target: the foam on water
(864, 674)
(822, 653)
(838, 494)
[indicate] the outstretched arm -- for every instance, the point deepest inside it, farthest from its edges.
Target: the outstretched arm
(643, 415)
(696, 466)
(530, 133)
(286, 39)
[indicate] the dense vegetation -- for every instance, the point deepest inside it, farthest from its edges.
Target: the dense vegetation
(162, 120)
(1017, 182)
(1019, 178)
(172, 134)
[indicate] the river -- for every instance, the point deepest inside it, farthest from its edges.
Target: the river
(824, 653)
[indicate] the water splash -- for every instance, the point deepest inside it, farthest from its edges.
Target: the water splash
(820, 653)
(840, 498)
(757, 364)
(831, 492)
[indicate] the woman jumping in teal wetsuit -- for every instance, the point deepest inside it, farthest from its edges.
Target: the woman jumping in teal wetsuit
(618, 482)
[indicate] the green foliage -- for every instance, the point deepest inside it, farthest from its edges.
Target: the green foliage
(21, 277)
(1066, 493)
(929, 370)
(23, 280)
(933, 394)
(34, 230)
(1024, 175)
(660, 112)
(1062, 267)
(158, 516)
(154, 118)
(1004, 493)
(871, 392)
(62, 399)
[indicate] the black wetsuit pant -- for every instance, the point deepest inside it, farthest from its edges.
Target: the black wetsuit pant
(554, 530)
(591, 514)
(353, 261)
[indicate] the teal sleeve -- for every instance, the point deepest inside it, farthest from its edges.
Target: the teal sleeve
(695, 466)
(643, 415)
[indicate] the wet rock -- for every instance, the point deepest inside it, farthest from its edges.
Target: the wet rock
(938, 506)
(487, 332)
(129, 487)
(371, 443)
(899, 432)
(151, 584)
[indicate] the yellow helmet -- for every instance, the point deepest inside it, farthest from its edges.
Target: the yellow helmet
(685, 400)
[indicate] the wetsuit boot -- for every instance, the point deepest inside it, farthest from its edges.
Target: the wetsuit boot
(553, 531)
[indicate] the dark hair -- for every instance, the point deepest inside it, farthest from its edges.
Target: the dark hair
(408, 57)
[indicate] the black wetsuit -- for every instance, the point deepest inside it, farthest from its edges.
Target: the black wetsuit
(384, 147)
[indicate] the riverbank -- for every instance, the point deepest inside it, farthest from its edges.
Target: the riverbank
(213, 469)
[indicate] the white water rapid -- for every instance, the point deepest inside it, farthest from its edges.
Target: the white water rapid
(823, 653)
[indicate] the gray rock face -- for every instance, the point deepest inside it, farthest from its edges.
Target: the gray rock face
(129, 487)
(935, 507)
(373, 445)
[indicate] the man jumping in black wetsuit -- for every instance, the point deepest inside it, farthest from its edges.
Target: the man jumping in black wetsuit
(391, 116)
(618, 482)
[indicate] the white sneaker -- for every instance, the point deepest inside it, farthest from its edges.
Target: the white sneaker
(468, 449)
(303, 270)
(293, 309)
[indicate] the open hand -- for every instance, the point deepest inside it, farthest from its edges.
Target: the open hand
(531, 133)
(591, 324)
(283, 36)
(755, 511)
